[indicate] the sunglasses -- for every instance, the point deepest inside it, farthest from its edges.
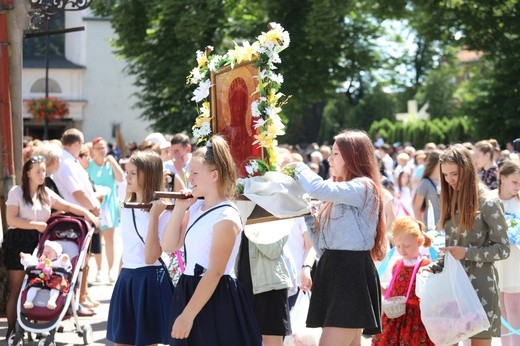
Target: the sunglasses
(38, 158)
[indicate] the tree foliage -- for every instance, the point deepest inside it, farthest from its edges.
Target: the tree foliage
(330, 65)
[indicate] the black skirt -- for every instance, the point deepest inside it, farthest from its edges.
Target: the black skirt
(271, 308)
(346, 292)
(18, 240)
(226, 319)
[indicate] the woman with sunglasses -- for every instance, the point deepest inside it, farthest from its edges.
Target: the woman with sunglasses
(28, 207)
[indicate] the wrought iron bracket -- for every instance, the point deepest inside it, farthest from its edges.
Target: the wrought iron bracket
(42, 10)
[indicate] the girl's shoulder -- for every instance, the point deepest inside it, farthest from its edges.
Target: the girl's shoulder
(15, 195)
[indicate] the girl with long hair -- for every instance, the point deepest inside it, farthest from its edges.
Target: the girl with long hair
(476, 231)
(348, 232)
(140, 304)
(28, 207)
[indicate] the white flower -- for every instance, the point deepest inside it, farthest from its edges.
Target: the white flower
(249, 170)
(202, 91)
(273, 111)
(258, 122)
(275, 58)
(196, 75)
(205, 129)
(252, 167)
(255, 112)
(212, 65)
(277, 78)
(197, 133)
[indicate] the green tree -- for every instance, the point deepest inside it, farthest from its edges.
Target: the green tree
(491, 97)
(330, 44)
(438, 91)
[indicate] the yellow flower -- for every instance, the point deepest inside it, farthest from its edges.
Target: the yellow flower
(202, 60)
(274, 130)
(244, 53)
(205, 109)
(263, 140)
(273, 96)
(199, 121)
(271, 37)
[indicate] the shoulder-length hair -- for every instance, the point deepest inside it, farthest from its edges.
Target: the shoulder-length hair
(464, 199)
(41, 193)
(357, 151)
(149, 173)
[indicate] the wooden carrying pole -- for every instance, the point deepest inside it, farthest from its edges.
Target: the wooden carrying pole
(258, 215)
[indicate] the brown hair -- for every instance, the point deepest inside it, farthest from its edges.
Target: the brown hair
(149, 166)
(464, 200)
(506, 169)
(432, 159)
(357, 151)
(485, 147)
(71, 136)
(410, 226)
(216, 155)
(41, 194)
(148, 145)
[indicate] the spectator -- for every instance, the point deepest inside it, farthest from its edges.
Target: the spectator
(476, 232)
(28, 207)
(74, 184)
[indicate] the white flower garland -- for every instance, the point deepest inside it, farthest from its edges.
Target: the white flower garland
(266, 111)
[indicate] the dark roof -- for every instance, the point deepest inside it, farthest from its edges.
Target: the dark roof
(53, 63)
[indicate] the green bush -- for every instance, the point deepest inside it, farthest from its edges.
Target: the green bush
(419, 132)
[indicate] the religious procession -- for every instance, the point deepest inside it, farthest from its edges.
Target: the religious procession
(183, 175)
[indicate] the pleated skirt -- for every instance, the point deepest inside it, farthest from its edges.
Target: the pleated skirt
(139, 312)
(226, 319)
(346, 292)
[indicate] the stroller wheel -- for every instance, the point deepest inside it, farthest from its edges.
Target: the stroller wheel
(46, 342)
(88, 335)
(15, 340)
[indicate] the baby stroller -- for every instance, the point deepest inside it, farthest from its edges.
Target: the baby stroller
(74, 234)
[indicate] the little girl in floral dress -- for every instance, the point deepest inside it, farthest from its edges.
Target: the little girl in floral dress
(408, 329)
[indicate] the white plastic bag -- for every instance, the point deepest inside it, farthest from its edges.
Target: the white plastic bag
(450, 308)
(301, 335)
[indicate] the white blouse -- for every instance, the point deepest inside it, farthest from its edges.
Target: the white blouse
(133, 248)
(199, 238)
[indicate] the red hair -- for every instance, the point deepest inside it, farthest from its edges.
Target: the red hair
(357, 151)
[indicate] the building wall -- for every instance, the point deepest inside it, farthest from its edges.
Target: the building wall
(107, 89)
(99, 93)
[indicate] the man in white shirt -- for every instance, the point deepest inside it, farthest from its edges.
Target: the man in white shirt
(75, 186)
(72, 180)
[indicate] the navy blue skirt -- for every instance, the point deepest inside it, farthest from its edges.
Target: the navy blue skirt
(139, 311)
(226, 319)
(346, 292)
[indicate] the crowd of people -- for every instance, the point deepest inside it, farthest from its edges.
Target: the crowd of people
(220, 287)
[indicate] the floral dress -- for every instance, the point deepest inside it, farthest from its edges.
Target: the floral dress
(486, 243)
(408, 329)
(489, 177)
